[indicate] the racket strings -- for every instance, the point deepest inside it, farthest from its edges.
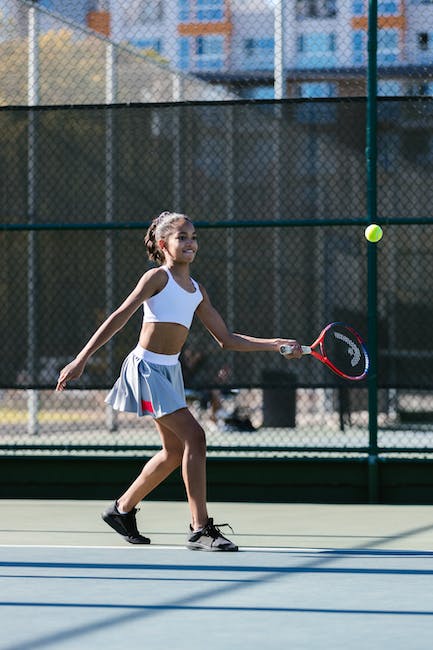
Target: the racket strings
(345, 351)
(353, 350)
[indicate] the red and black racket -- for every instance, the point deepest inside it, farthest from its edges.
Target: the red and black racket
(340, 348)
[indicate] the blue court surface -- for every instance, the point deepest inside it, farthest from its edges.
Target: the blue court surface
(165, 596)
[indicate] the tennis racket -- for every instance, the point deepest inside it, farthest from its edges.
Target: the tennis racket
(340, 348)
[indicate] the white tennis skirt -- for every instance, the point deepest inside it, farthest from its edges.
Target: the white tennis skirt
(149, 384)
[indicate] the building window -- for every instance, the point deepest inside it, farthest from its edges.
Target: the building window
(259, 54)
(184, 53)
(315, 9)
(204, 53)
(316, 50)
(315, 43)
(201, 10)
(208, 10)
(209, 53)
(359, 8)
(183, 10)
(387, 47)
(359, 40)
(384, 7)
(423, 41)
(388, 8)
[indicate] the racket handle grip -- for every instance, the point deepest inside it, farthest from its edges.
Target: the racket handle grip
(288, 349)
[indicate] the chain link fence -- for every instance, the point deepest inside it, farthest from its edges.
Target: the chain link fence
(251, 118)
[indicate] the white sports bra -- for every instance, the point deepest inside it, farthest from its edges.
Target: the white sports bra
(172, 304)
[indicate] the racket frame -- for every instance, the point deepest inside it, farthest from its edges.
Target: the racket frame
(320, 353)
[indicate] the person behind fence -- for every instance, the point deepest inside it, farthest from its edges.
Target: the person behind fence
(192, 361)
(150, 381)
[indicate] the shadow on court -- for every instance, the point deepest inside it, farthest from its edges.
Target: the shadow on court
(362, 597)
(367, 586)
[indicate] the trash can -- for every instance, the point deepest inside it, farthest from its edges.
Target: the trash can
(279, 399)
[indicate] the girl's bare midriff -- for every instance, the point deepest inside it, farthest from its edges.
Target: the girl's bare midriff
(163, 338)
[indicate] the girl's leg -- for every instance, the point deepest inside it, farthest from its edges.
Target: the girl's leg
(184, 441)
(155, 471)
(185, 427)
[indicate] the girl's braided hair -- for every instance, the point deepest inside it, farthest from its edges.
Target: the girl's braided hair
(160, 227)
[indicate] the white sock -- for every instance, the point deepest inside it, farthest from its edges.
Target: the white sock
(120, 511)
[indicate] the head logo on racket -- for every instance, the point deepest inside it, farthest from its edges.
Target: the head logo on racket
(352, 349)
(341, 348)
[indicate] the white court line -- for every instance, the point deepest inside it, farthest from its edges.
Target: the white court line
(143, 548)
(156, 547)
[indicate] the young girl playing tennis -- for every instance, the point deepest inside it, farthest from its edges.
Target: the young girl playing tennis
(151, 383)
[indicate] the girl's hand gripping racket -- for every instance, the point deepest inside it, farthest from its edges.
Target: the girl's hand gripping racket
(340, 348)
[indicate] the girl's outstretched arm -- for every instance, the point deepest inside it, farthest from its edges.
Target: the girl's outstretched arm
(149, 284)
(216, 325)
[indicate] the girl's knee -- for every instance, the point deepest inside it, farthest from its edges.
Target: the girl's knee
(197, 438)
(174, 455)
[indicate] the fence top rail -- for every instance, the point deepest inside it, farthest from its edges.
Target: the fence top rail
(281, 223)
(236, 102)
(198, 103)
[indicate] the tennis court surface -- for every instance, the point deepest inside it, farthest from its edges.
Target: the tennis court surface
(307, 576)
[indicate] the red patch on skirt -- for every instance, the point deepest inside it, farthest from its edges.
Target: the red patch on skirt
(147, 406)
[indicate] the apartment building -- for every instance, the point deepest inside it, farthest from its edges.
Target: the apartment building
(233, 41)
(325, 42)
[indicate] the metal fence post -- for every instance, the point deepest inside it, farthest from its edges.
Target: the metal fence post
(371, 164)
(110, 98)
(33, 100)
(279, 49)
(279, 93)
(229, 179)
(177, 94)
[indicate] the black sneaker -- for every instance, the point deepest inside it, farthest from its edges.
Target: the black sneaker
(125, 524)
(209, 538)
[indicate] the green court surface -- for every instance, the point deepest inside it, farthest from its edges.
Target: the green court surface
(308, 576)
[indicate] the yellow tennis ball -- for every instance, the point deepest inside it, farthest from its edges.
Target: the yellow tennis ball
(373, 233)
